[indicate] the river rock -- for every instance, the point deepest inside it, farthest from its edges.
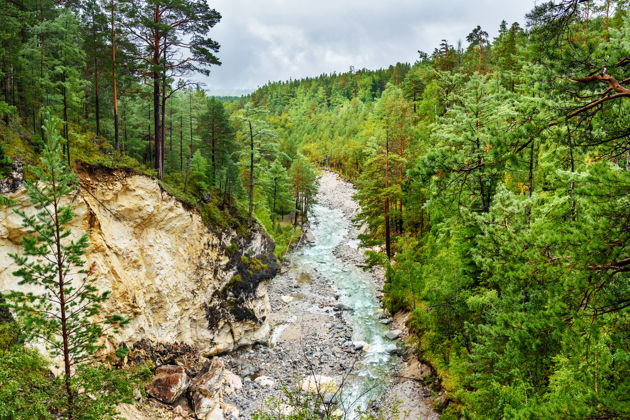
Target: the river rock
(208, 390)
(232, 382)
(360, 345)
(169, 383)
(393, 334)
(265, 381)
(319, 384)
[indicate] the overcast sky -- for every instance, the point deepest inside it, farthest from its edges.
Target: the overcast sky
(269, 40)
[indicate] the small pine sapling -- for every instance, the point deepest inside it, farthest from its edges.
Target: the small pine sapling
(62, 312)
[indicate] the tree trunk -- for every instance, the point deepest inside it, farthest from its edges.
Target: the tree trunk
(62, 306)
(213, 142)
(251, 172)
(388, 248)
(65, 120)
(6, 85)
(149, 152)
(273, 207)
(297, 205)
(170, 130)
(157, 131)
(190, 123)
(114, 83)
(164, 103)
(181, 143)
(97, 99)
(156, 77)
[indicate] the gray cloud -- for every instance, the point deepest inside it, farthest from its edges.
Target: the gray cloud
(268, 40)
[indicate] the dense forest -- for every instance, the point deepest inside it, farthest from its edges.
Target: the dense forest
(493, 174)
(118, 74)
(494, 178)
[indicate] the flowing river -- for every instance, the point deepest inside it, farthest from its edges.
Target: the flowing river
(327, 323)
(357, 292)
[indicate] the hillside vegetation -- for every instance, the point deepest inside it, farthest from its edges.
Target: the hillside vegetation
(494, 179)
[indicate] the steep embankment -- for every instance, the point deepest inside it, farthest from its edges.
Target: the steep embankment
(179, 281)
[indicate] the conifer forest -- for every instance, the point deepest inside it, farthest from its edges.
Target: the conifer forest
(492, 187)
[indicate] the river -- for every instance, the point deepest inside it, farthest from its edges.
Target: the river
(327, 322)
(356, 291)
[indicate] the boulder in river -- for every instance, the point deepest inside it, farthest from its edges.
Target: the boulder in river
(394, 334)
(360, 345)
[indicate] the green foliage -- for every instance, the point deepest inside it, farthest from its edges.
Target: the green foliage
(505, 188)
(507, 177)
(27, 390)
(63, 302)
(297, 404)
(30, 391)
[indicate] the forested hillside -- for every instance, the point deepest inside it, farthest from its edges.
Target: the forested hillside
(494, 177)
(119, 77)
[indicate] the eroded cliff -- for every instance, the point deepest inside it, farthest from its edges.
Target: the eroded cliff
(179, 280)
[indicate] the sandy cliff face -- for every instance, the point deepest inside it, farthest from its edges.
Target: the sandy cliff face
(178, 281)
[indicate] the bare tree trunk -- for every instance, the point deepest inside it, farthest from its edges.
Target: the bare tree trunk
(97, 99)
(251, 173)
(190, 122)
(114, 83)
(213, 141)
(157, 120)
(164, 104)
(170, 129)
(159, 163)
(297, 205)
(388, 248)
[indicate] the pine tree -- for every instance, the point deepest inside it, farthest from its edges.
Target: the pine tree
(61, 313)
(217, 136)
(277, 188)
(176, 27)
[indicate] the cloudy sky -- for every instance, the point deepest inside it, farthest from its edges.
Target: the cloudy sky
(268, 40)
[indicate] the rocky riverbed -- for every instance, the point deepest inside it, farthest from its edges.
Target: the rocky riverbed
(328, 332)
(312, 332)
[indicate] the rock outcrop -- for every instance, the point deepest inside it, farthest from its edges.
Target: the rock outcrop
(13, 181)
(179, 280)
(169, 383)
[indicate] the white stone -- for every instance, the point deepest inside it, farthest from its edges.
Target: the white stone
(360, 345)
(286, 299)
(394, 334)
(265, 381)
(319, 384)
